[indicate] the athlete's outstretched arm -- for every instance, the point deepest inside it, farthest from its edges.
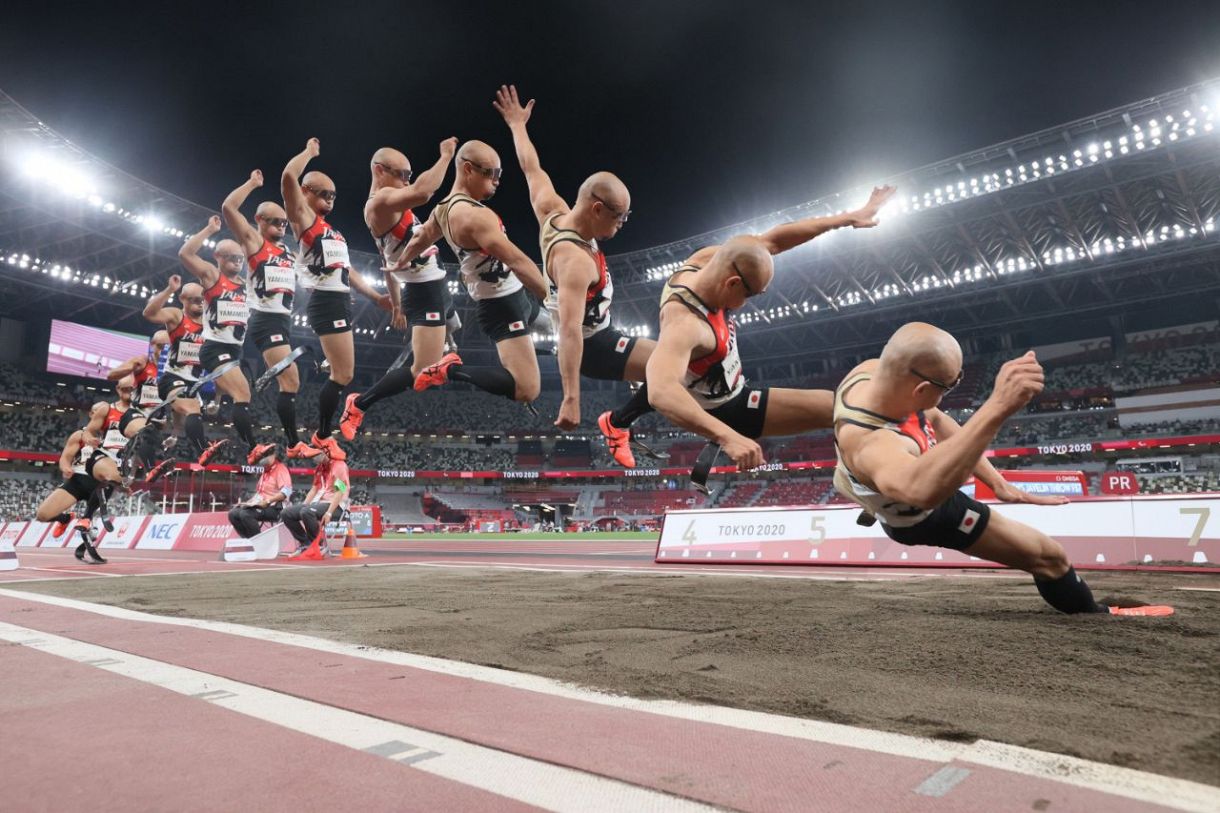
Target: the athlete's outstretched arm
(156, 310)
(423, 237)
(425, 186)
(357, 281)
(945, 428)
(543, 197)
(251, 241)
(127, 368)
(573, 271)
(295, 204)
(679, 339)
(483, 228)
(189, 254)
(790, 235)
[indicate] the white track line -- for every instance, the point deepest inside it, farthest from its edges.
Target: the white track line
(711, 570)
(530, 781)
(1180, 794)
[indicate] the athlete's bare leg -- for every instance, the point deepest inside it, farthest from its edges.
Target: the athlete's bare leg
(638, 360)
(791, 412)
(340, 351)
(518, 357)
(290, 379)
(428, 344)
(57, 502)
(234, 384)
(1021, 546)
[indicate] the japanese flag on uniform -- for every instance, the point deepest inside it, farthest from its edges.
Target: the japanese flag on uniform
(518, 325)
(755, 399)
(621, 345)
(969, 521)
(277, 337)
(340, 323)
(432, 316)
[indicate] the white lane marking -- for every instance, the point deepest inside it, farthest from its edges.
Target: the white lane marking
(943, 781)
(1201, 589)
(530, 781)
(83, 574)
(1181, 794)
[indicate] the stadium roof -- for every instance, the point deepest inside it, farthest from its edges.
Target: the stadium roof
(1111, 211)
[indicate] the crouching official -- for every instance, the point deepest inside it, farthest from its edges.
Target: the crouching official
(326, 501)
(272, 493)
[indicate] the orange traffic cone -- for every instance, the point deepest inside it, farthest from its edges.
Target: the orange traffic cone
(350, 551)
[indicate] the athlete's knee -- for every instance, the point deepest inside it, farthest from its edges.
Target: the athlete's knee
(1049, 561)
(290, 379)
(45, 513)
(341, 377)
(528, 390)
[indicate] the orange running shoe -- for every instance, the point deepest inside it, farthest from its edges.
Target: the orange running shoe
(212, 449)
(1145, 610)
(328, 445)
(303, 450)
(353, 416)
(57, 530)
(619, 441)
(258, 451)
(158, 471)
(436, 374)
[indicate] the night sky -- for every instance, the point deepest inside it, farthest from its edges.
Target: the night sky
(711, 111)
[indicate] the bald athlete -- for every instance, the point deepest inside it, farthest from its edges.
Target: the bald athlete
(182, 368)
(580, 287)
(225, 319)
(694, 374)
(273, 280)
(887, 428)
(419, 293)
(325, 269)
(496, 274)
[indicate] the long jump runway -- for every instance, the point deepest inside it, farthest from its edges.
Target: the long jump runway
(116, 709)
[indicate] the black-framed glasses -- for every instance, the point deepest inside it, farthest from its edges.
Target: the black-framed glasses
(745, 283)
(230, 258)
(487, 172)
(276, 222)
(941, 384)
(620, 214)
(403, 175)
(327, 195)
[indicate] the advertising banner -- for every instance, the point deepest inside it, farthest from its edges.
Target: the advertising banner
(162, 532)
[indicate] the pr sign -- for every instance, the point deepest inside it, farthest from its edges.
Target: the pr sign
(1119, 482)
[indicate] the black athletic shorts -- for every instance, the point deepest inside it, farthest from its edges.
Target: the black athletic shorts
(507, 317)
(93, 458)
(746, 413)
(605, 354)
(269, 330)
(426, 303)
(957, 523)
(130, 415)
(330, 312)
(80, 486)
(168, 381)
(214, 354)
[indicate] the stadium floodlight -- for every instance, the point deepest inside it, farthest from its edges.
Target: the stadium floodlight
(153, 223)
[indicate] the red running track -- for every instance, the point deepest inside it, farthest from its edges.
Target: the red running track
(101, 710)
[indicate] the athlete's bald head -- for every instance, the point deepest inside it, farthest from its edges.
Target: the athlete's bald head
(480, 152)
(229, 257)
(270, 209)
(272, 220)
(191, 295)
(922, 347)
(741, 268)
(606, 196)
(478, 169)
(388, 156)
(318, 187)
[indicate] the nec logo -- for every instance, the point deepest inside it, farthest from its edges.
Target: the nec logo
(163, 531)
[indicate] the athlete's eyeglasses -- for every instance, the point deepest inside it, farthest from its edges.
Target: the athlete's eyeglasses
(946, 387)
(403, 175)
(619, 214)
(487, 172)
(276, 222)
(230, 258)
(327, 195)
(744, 282)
